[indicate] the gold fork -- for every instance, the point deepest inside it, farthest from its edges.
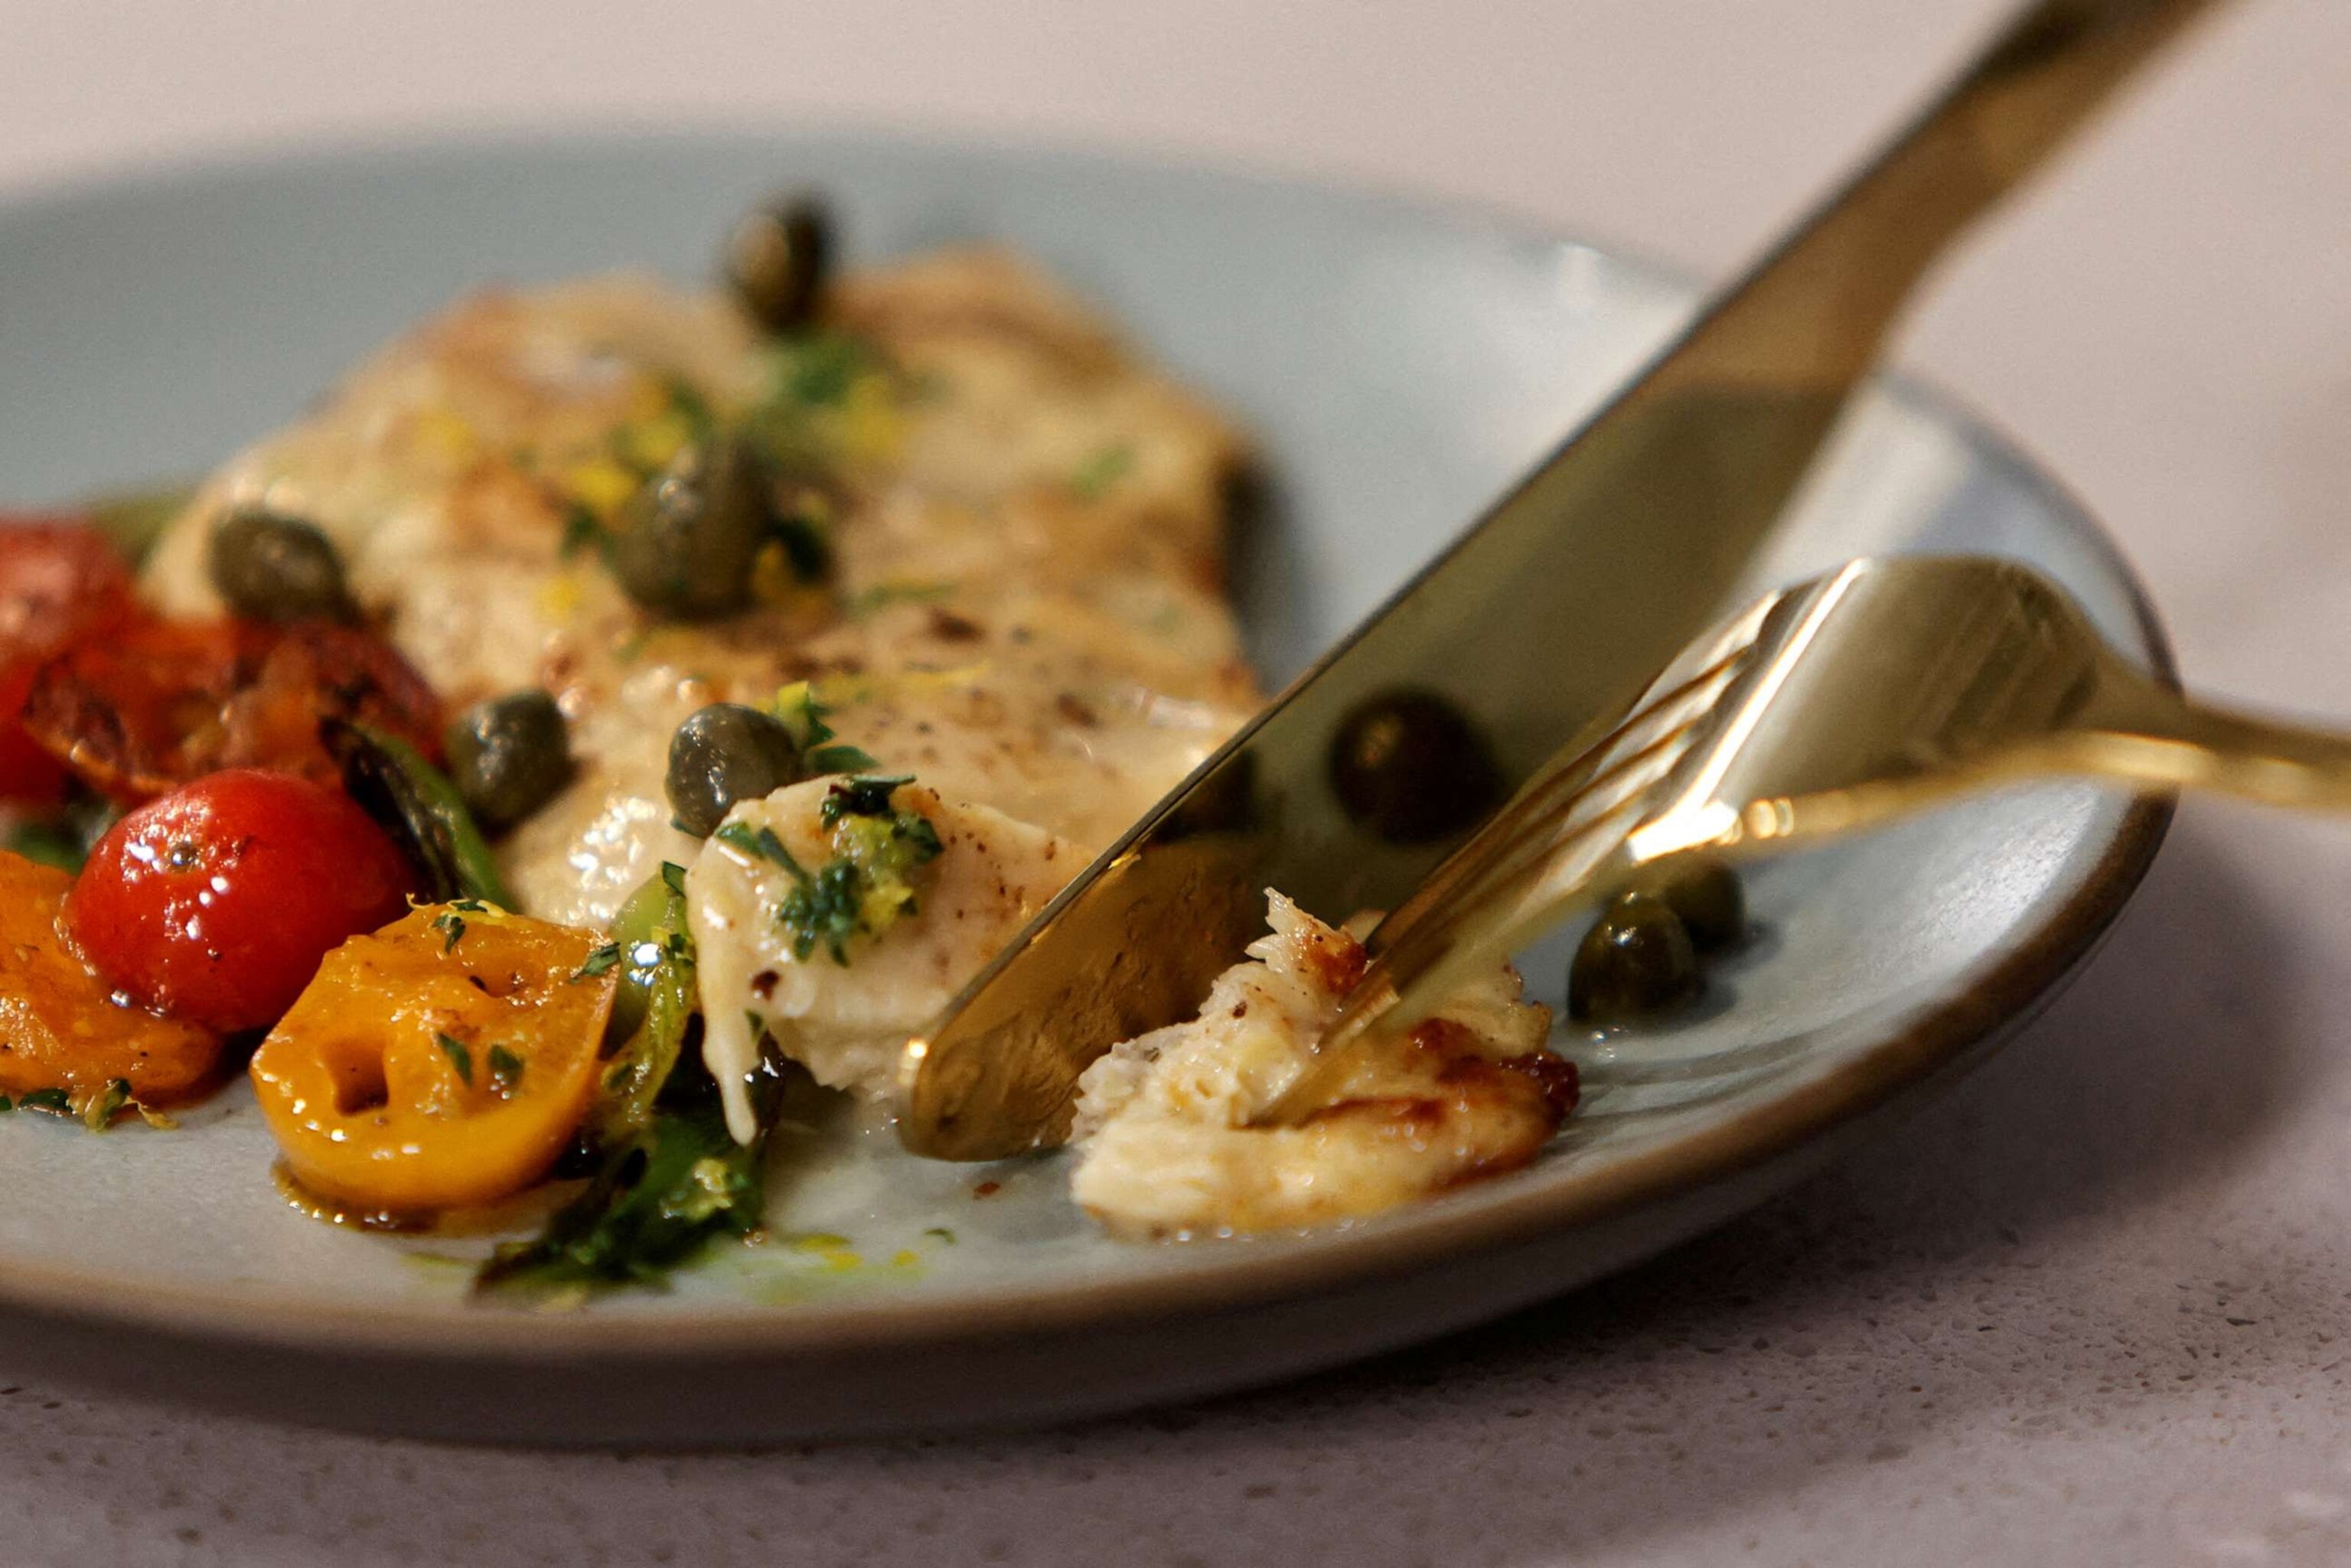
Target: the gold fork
(1882, 689)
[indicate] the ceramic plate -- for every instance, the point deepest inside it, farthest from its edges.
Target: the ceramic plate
(1400, 365)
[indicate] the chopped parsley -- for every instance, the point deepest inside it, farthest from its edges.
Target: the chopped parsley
(759, 843)
(863, 795)
(459, 1057)
(451, 922)
(942, 1234)
(672, 877)
(598, 962)
(804, 715)
(867, 884)
(96, 1109)
(819, 370)
(505, 1069)
(1105, 468)
(824, 908)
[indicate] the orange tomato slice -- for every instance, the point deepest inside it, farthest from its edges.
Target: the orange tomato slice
(59, 1027)
(443, 1062)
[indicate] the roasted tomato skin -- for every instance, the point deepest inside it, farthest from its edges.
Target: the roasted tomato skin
(60, 580)
(58, 1027)
(214, 904)
(165, 702)
(441, 1062)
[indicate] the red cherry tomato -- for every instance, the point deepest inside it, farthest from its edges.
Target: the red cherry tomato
(164, 702)
(59, 581)
(214, 904)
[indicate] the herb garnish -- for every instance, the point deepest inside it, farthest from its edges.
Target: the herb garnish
(864, 795)
(1105, 468)
(459, 1057)
(505, 1069)
(598, 962)
(865, 886)
(761, 843)
(451, 923)
(672, 877)
(819, 370)
(804, 715)
(97, 1109)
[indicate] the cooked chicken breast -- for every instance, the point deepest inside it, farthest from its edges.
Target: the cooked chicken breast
(1164, 1148)
(845, 1012)
(1023, 610)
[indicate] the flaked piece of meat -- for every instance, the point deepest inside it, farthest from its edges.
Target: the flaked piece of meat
(1163, 1144)
(839, 968)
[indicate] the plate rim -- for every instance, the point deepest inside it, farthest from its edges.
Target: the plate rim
(1258, 1271)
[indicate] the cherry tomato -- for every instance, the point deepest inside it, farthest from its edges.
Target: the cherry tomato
(214, 904)
(59, 1029)
(59, 581)
(165, 701)
(443, 1061)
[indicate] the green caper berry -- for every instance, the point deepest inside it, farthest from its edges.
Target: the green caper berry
(726, 753)
(777, 259)
(1637, 960)
(509, 756)
(268, 567)
(1410, 768)
(688, 541)
(1706, 895)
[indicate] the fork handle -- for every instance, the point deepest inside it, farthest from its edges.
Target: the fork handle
(2165, 738)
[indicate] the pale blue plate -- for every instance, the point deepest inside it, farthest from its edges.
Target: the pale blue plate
(1400, 364)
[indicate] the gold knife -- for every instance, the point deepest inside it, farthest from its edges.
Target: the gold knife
(1540, 624)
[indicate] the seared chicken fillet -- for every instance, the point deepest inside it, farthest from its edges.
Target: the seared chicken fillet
(1163, 1143)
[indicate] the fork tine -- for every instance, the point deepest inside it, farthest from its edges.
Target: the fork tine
(1426, 966)
(1557, 791)
(1537, 853)
(1537, 838)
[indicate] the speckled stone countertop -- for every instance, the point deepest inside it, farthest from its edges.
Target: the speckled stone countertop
(2093, 1308)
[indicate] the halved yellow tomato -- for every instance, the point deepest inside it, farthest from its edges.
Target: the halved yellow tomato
(60, 1028)
(440, 1061)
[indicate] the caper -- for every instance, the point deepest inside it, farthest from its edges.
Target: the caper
(1635, 960)
(1408, 767)
(1707, 896)
(778, 258)
(509, 756)
(270, 566)
(727, 753)
(688, 541)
